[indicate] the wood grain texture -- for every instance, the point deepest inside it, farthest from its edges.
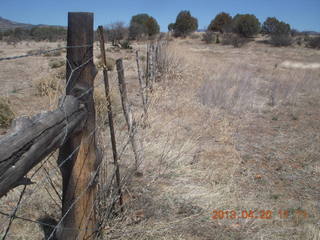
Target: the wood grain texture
(32, 139)
(79, 175)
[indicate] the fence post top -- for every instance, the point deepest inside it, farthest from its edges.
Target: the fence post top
(84, 13)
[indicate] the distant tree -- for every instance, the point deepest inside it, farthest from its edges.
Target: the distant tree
(274, 26)
(153, 27)
(48, 33)
(138, 26)
(282, 28)
(281, 35)
(143, 24)
(313, 42)
(295, 32)
(208, 37)
(269, 26)
(140, 18)
(279, 31)
(246, 25)
(171, 27)
(185, 24)
(220, 23)
(21, 34)
(116, 32)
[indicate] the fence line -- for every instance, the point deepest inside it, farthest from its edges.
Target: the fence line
(85, 229)
(42, 52)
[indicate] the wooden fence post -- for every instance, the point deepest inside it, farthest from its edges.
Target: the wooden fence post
(147, 84)
(141, 87)
(151, 67)
(127, 111)
(110, 116)
(80, 171)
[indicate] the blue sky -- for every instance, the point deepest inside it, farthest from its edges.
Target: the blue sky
(300, 14)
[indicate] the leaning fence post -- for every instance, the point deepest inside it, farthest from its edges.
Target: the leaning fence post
(127, 112)
(151, 67)
(77, 157)
(110, 116)
(141, 86)
(147, 75)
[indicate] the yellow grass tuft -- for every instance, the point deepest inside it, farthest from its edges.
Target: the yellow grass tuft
(6, 114)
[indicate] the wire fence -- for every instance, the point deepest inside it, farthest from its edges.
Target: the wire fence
(38, 183)
(38, 53)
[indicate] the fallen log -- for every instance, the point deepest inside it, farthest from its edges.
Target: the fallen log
(31, 139)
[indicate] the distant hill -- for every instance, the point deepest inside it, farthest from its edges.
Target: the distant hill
(310, 32)
(6, 24)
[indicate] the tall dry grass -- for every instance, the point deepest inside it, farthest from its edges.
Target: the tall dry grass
(236, 89)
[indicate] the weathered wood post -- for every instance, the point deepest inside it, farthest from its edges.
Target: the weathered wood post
(110, 116)
(127, 112)
(141, 88)
(147, 74)
(80, 170)
(151, 68)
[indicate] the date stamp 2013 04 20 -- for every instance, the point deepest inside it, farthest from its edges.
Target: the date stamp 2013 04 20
(260, 214)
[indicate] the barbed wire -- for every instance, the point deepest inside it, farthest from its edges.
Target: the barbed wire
(73, 70)
(63, 100)
(43, 52)
(49, 173)
(38, 187)
(75, 201)
(14, 216)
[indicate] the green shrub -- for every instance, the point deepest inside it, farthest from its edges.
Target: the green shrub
(314, 42)
(39, 33)
(280, 32)
(208, 37)
(152, 26)
(171, 27)
(51, 34)
(246, 25)
(269, 25)
(143, 24)
(233, 39)
(125, 44)
(279, 40)
(184, 25)
(6, 114)
(221, 23)
(274, 26)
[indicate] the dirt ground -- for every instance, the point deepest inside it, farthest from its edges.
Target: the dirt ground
(232, 151)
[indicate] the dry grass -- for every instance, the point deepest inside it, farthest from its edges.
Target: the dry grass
(56, 63)
(234, 149)
(6, 114)
(230, 129)
(48, 86)
(102, 108)
(251, 98)
(110, 63)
